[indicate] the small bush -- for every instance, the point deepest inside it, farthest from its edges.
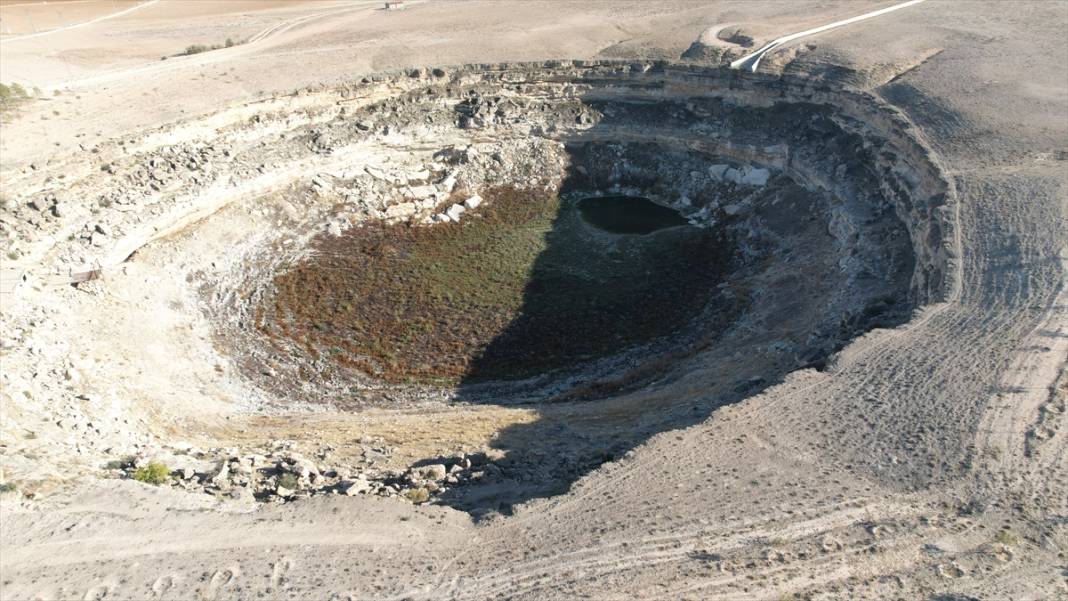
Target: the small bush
(153, 473)
(7, 487)
(194, 49)
(10, 95)
(417, 495)
(288, 481)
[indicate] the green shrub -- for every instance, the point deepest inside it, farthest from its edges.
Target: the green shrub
(288, 481)
(153, 473)
(7, 487)
(11, 94)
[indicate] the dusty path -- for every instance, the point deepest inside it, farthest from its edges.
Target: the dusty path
(11, 39)
(271, 35)
(751, 62)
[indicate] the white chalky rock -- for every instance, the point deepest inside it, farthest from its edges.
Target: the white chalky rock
(418, 177)
(403, 209)
(455, 211)
(717, 171)
(473, 202)
(755, 176)
(449, 182)
(420, 191)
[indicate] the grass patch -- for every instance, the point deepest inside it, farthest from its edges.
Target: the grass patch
(153, 473)
(1007, 538)
(521, 287)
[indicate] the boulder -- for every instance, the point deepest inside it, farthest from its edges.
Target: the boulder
(473, 202)
(717, 171)
(221, 478)
(755, 176)
(455, 212)
(354, 487)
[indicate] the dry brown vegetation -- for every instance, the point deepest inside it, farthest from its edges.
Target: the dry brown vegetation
(519, 288)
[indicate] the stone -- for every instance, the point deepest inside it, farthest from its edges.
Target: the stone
(221, 478)
(455, 212)
(421, 192)
(473, 202)
(300, 467)
(243, 466)
(755, 176)
(354, 487)
(403, 209)
(449, 182)
(242, 493)
(717, 171)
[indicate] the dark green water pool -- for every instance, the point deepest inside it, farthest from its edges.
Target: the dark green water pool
(628, 214)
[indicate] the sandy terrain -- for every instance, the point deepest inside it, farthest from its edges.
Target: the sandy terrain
(925, 460)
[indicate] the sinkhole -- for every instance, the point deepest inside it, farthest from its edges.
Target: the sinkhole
(639, 242)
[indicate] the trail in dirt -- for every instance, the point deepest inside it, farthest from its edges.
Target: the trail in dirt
(162, 68)
(79, 25)
(751, 62)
